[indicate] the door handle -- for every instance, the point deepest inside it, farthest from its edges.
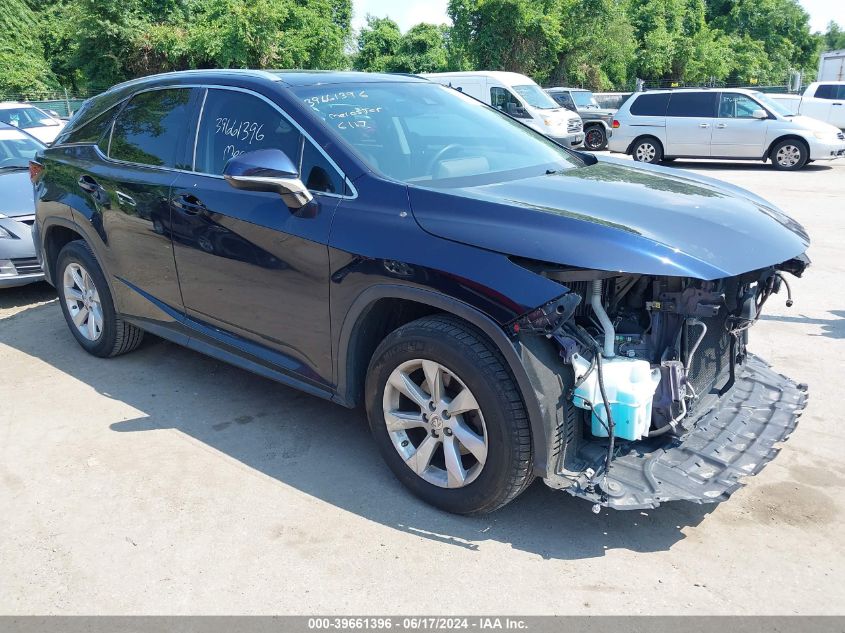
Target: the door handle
(721, 126)
(88, 184)
(703, 125)
(837, 104)
(189, 204)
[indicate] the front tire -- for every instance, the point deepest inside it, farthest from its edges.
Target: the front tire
(789, 155)
(447, 416)
(87, 304)
(647, 150)
(595, 138)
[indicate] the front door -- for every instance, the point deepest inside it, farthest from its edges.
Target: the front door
(689, 123)
(736, 133)
(247, 263)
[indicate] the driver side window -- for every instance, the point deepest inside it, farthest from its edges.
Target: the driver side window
(737, 106)
(503, 100)
(234, 123)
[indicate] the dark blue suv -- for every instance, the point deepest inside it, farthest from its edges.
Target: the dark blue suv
(502, 306)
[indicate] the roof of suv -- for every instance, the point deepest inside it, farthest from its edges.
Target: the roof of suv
(287, 77)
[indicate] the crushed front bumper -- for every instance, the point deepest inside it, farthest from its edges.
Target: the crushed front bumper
(734, 439)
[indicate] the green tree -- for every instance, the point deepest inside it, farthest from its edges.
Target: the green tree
(781, 27)
(378, 45)
(24, 72)
(522, 36)
(834, 37)
(423, 50)
(597, 45)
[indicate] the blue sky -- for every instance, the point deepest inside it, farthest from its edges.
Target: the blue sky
(409, 12)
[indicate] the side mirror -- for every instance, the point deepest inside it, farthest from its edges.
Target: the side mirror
(268, 170)
(760, 114)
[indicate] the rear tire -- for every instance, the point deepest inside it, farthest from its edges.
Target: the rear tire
(789, 155)
(88, 306)
(647, 150)
(470, 462)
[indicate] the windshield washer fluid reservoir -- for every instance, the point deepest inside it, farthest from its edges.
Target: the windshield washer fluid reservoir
(630, 385)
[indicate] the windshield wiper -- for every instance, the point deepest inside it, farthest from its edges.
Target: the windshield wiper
(14, 167)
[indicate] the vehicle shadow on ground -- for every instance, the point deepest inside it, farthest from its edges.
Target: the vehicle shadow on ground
(11, 298)
(831, 328)
(705, 165)
(325, 450)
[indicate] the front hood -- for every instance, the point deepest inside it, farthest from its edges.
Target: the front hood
(16, 195)
(814, 125)
(617, 216)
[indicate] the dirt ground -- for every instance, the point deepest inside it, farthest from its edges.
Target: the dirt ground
(164, 482)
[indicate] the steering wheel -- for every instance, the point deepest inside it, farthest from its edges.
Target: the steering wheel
(439, 156)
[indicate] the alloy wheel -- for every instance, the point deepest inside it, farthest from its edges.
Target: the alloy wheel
(593, 139)
(435, 423)
(788, 156)
(646, 152)
(83, 301)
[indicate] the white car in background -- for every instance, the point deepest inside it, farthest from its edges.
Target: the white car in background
(521, 98)
(33, 120)
(732, 124)
(822, 100)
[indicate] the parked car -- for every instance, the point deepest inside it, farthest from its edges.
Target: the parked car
(18, 263)
(597, 121)
(735, 124)
(503, 307)
(34, 121)
(521, 98)
(822, 100)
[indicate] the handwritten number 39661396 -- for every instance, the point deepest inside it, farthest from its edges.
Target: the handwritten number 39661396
(248, 131)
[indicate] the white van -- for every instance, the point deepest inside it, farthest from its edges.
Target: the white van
(521, 98)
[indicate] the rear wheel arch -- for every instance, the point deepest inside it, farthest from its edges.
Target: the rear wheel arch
(363, 330)
(643, 137)
(56, 236)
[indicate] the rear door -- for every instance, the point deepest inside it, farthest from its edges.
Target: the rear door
(247, 263)
(689, 123)
(130, 191)
(736, 132)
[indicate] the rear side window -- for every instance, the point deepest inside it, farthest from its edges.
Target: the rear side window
(692, 104)
(151, 129)
(830, 91)
(92, 131)
(650, 105)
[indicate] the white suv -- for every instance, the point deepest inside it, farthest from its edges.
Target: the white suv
(731, 123)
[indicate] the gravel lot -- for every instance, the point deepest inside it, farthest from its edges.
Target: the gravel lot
(164, 482)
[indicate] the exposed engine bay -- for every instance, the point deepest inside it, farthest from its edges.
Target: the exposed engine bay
(651, 359)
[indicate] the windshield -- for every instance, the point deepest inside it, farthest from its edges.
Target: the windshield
(16, 149)
(430, 134)
(534, 96)
(26, 117)
(584, 99)
(783, 108)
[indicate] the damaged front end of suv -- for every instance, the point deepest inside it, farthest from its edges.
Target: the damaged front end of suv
(653, 392)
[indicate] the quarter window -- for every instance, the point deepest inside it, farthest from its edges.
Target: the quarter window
(92, 131)
(234, 123)
(692, 104)
(737, 106)
(151, 129)
(650, 105)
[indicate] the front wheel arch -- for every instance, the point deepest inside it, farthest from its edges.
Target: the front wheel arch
(352, 361)
(788, 137)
